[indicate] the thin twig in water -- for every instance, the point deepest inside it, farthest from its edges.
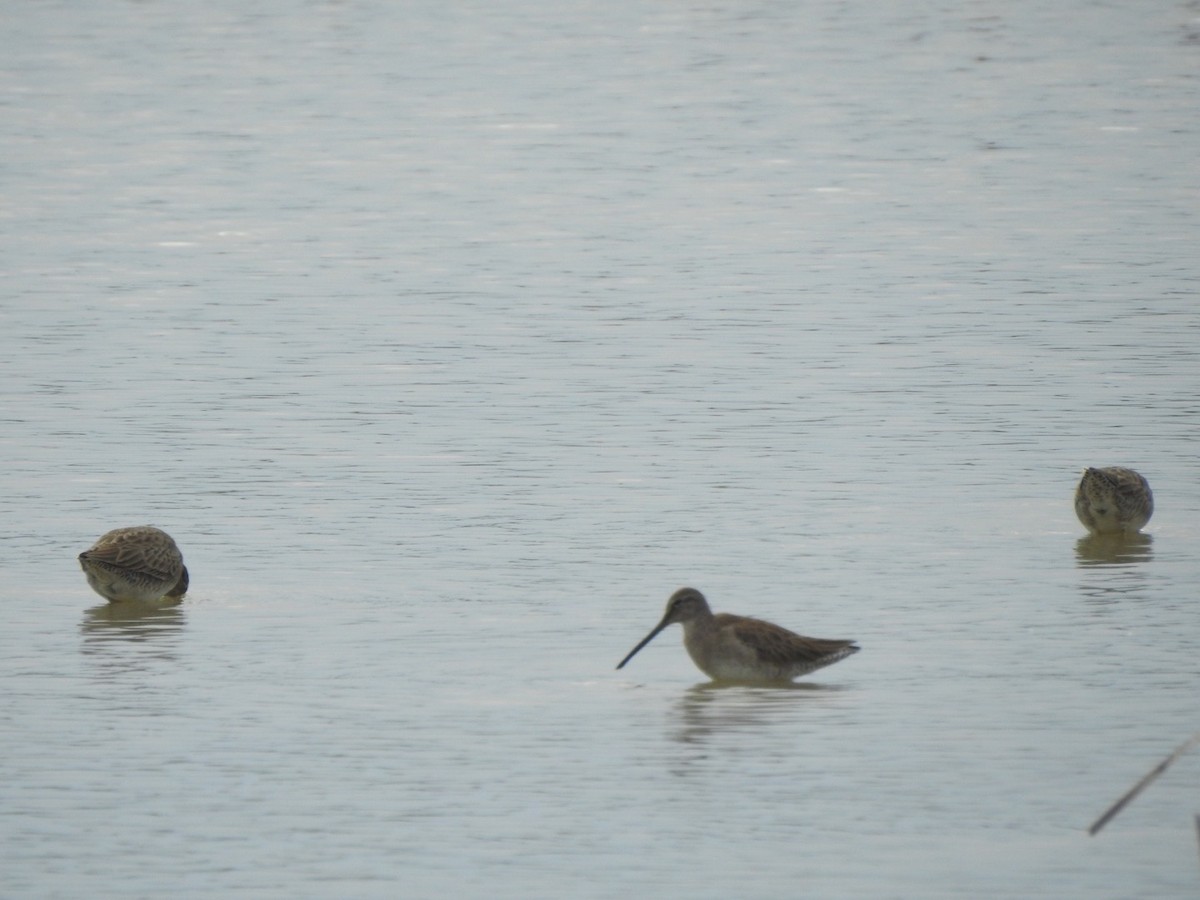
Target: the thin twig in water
(1141, 785)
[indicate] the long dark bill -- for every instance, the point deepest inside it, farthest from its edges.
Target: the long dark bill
(647, 639)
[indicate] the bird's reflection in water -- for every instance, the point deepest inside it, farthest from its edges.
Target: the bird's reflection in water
(127, 636)
(1113, 549)
(1111, 565)
(712, 708)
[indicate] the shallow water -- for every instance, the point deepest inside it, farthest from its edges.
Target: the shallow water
(448, 344)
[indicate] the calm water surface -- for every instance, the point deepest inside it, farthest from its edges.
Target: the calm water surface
(448, 341)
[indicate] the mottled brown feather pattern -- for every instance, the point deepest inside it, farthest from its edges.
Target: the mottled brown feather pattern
(1113, 500)
(778, 646)
(141, 564)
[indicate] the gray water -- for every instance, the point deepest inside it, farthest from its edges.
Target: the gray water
(449, 340)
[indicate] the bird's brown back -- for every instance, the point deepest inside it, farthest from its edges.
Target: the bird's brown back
(776, 645)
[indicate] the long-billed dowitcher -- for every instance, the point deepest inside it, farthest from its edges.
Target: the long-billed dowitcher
(1113, 500)
(736, 648)
(139, 564)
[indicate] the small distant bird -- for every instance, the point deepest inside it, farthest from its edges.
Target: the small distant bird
(736, 648)
(140, 564)
(1113, 500)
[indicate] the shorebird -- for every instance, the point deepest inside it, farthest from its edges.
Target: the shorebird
(1113, 500)
(140, 564)
(736, 648)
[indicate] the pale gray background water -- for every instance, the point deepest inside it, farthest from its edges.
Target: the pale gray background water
(449, 339)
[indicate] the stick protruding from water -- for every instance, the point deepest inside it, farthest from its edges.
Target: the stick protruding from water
(1141, 785)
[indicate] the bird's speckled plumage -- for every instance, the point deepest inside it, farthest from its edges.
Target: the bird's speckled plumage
(1113, 500)
(140, 564)
(737, 648)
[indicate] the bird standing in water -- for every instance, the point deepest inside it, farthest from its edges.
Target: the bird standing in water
(736, 648)
(140, 564)
(1113, 500)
